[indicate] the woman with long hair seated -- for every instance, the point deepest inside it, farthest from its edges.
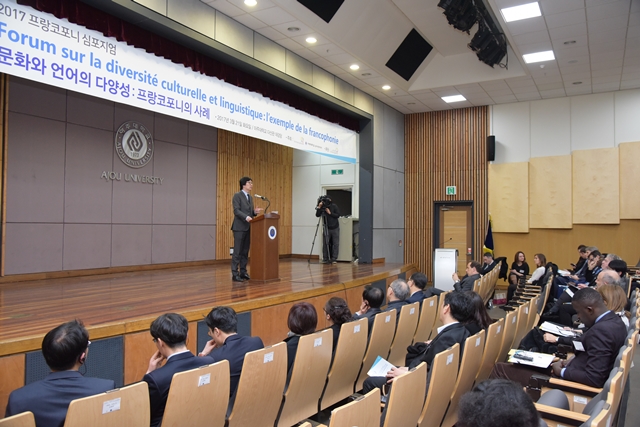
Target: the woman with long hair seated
(480, 318)
(540, 261)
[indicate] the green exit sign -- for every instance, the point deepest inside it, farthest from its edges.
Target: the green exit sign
(451, 190)
(337, 171)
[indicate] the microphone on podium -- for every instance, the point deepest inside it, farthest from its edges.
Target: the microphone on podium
(260, 197)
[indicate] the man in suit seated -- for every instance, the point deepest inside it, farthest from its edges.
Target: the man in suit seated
(601, 342)
(457, 310)
(372, 299)
(417, 282)
(489, 263)
(466, 284)
(397, 294)
(226, 344)
(65, 350)
(169, 333)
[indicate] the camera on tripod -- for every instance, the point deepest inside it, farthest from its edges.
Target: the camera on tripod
(323, 200)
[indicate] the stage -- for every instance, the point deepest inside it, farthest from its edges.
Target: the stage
(122, 303)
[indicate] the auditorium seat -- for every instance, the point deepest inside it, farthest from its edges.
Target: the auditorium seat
(402, 407)
(384, 326)
(438, 322)
(510, 327)
(24, 419)
(444, 372)
(259, 393)
(126, 406)
(308, 377)
(428, 314)
(494, 336)
(198, 397)
(469, 367)
(406, 329)
(347, 361)
(362, 412)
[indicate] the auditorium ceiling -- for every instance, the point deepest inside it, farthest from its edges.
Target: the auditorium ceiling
(596, 44)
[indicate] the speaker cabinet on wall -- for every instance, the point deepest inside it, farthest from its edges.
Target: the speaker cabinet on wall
(409, 55)
(325, 9)
(491, 148)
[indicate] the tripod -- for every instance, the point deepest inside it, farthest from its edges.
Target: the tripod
(325, 234)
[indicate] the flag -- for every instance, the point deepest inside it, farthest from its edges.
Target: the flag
(488, 240)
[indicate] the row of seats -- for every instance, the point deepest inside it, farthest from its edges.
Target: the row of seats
(315, 382)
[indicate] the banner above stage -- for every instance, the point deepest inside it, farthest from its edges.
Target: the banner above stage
(40, 47)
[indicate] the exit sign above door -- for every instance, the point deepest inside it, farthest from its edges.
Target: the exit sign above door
(451, 190)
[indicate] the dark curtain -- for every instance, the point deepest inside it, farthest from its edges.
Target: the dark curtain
(111, 26)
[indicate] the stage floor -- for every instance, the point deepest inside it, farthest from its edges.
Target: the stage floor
(33, 307)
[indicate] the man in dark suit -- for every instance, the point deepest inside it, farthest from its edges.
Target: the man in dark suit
(397, 294)
(243, 213)
(372, 299)
(466, 284)
(601, 342)
(488, 264)
(417, 282)
(169, 333)
(65, 349)
(226, 344)
(457, 310)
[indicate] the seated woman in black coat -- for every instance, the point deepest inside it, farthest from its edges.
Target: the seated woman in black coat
(302, 320)
(337, 312)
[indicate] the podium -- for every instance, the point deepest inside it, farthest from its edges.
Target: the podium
(264, 253)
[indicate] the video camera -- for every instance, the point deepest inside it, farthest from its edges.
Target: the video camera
(324, 200)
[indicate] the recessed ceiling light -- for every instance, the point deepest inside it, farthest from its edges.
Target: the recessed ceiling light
(354, 67)
(573, 61)
(577, 83)
(311, 40)
(411, 103)
(386, 87)
(453, 98)
(250, 2)
(366, 74)
(570, 42)
(530, 58)
(293, 29)
(524, 11)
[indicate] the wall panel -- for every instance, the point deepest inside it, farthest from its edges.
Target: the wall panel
(443, 148)
(509, 197)
(596, 186)
(550, 192)
(269, 166)
(12, 368)
(629, 180)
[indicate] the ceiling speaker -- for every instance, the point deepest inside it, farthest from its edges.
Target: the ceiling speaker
(325, 9)
(409, 55)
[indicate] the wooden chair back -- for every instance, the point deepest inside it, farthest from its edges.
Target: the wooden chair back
(199, 396)
(533, 311)
(259, 393)
(403, 408)
(428, 314)
(407, 323)
(25, 419)
(444, 372)
(523, 321)
(347, 361)
(438, 322)
(510, 327)
(495, 334)
(469, 367)
(308, 376)
(384, 326)
(362, 412)
(126, 406)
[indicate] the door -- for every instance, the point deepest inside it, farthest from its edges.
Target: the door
(455, 231)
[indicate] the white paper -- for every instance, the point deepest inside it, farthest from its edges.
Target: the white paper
(477, 341)
(317, 342)
(499, 329)
(356, 329)
(204, 379)
(412, 310)
(569, 291)
(431, 303)
(111, 405)
(540, 360)
(578, 346)
(387, 319)
(554, 329)
(380, 368)
(580, 399)
(268, 357)
(449, 359)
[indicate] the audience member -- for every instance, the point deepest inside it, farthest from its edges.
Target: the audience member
(497, 403)
(397, 293)
(466, 284)
(605, 335)
(480, 318)
(616, 300)
(540, 261)
(226, 344)
(65, 350)
(372, 299)
(488, 263)
(302, 320)
(337, 312)
(582, 259)
(169, 333)
(417, 282)
(519, 266)
(607, 259)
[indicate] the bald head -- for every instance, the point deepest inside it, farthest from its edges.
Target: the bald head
(607, 277)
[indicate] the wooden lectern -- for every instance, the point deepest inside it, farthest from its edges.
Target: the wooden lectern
(264, 253)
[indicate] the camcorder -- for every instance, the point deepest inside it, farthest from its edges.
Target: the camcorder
(325, 201)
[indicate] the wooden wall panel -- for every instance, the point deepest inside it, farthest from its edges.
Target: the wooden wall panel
(270, 166)
(138, 349)
(629, 180)
(596, 186)
(443, 148)
(509, 197)
(12, 368)
(550, 192)
(559, 246)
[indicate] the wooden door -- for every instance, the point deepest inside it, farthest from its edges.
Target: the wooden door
(456, 232)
